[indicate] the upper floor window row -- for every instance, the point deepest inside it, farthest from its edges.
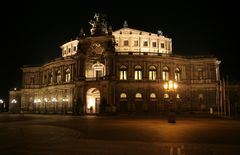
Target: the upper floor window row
(138, 95)
(152, 73)
(57, 76)
(68, 50)
(145, 43)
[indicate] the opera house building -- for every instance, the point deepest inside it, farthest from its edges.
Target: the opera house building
(122, 71)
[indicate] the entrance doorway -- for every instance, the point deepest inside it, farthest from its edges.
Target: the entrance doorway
(93, 100)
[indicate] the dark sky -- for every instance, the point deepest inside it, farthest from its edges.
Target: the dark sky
(34, 31)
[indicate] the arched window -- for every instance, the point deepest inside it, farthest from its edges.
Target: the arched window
(152, 73)
(138, 95)
(123, 72)
(58, 76)
(32, 81)
(123, 95)
(67, 75)
(165, 73)
(50, 77)
(178, 95)
(138, 72)
(200, 74)
(165, 95)
(177, 74)
(45, 78)
(200, 98)
(99, 70)
(153, 96)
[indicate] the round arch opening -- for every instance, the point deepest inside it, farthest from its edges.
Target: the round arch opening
(93, 100)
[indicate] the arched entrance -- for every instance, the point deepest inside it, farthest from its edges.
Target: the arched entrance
(93, 100)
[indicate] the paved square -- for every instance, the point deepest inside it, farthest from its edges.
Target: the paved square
(117, 135)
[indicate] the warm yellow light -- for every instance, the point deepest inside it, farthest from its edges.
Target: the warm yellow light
(175, 85)
(65, 100)
(37, 101)
(1, 101)
(91, 102)
(165, 86)
(170, 85)
(54, 99)
(14, 101)
(45, 99)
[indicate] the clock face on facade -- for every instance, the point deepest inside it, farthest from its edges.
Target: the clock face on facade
(97, 49)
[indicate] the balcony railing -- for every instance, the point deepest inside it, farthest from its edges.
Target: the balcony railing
(165, 54)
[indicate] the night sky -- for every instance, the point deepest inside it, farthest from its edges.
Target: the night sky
(32, 32)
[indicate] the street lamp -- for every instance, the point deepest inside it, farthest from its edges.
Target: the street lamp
(37, 104)
(54, 100)
(45, 104)
(65, 100)
(14, 101)
(170, 88)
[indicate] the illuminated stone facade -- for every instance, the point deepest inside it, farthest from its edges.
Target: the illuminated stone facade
(122, 71)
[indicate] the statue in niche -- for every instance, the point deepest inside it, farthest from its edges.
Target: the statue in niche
(99, 25)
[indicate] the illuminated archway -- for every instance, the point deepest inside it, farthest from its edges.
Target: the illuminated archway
(93, 100)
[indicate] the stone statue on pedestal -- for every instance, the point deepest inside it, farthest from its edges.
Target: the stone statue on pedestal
(99, 25)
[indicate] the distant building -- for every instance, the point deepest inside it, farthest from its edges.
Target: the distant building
(123, 71)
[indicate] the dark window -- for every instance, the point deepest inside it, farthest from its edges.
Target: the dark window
(154, 44)
(162, 45)
(125, 43)
(145, 43)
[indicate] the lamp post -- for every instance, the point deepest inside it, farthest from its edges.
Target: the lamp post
(45, 104)
(37, 105)
(54, 100)
(65, 100)
(14, 102)
(170, 88)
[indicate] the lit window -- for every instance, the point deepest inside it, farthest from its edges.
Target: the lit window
(165, 73)
(125, 43)
(152, 95)
(123, 72)
(138, 95)
(67, 75)
(138, 72)
(152, 73)
(123, 95)
(178, 95)
(165, 95)
(177, 74)
(145, 43)
(99, 70)
(154, 44)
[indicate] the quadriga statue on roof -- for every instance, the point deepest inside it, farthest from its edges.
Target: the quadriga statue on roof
(99, 25)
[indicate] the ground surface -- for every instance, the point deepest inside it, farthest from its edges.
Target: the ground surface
(117, 135)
